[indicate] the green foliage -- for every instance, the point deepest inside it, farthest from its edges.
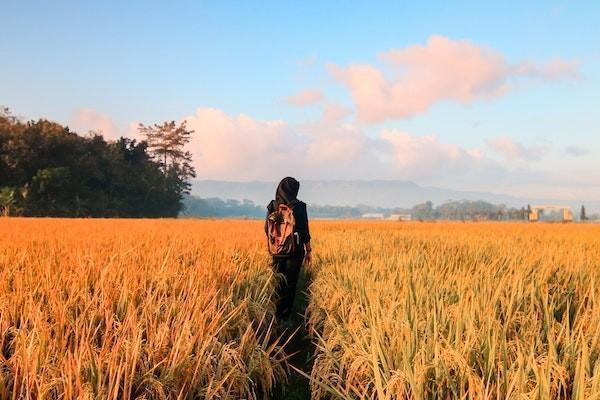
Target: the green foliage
(48, 170)
(8, 201)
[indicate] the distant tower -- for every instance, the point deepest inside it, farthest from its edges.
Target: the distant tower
(582, 216)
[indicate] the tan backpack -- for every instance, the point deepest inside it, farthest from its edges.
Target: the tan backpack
(280, 231)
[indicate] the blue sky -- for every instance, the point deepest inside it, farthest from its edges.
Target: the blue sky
(526, 125)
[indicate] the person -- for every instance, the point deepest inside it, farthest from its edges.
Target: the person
(289, 265)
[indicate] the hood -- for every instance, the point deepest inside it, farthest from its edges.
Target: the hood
(287, 190)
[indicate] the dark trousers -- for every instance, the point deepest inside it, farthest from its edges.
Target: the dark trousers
(286, 289)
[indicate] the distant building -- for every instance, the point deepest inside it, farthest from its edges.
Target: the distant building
(400, 217)
(372, 216)
(566, 215)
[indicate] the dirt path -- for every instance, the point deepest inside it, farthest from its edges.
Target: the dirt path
(297, 387)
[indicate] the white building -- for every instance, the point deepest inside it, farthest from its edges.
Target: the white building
(373, 216)
(400, 217)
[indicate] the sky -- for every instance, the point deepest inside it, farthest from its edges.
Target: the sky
(467, 95)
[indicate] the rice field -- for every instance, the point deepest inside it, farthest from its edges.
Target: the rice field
(183, 309)
(457, 311)
(125, 309)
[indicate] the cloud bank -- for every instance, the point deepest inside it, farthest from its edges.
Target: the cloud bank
(305, 98)
(243, 148)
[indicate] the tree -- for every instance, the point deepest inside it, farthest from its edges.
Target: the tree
(582, 216)
(423, 211)
(166, 143)
(8, 201)
(523, 213)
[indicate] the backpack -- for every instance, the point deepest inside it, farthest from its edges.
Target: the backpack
(280, 231)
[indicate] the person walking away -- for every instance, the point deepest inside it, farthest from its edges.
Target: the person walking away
(288, 237)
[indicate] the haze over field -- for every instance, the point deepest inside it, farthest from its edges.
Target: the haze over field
(480, 98)
(374, 193)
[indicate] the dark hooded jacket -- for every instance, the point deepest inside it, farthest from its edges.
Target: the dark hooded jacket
(286, 193)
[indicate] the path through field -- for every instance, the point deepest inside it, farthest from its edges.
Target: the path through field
(297, 386)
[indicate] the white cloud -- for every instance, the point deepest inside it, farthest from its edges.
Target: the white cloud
(577, 151)
(428, 157)
(336, 145)
(85, 120)
(420, 76)
(240, 147)
(513, 150)
(335, 112)
(305, 98)
(550, 71)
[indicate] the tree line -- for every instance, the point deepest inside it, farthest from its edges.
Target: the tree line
(465, 210)
(46, 169)
(468, 210)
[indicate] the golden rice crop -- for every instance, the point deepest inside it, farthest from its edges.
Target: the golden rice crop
(183, 309)
(121, 309)
(456, 311)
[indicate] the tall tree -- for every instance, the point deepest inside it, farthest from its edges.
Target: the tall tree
(582, 215)
(166, 142)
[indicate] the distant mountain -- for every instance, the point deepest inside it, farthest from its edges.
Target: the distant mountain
(376, 193)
